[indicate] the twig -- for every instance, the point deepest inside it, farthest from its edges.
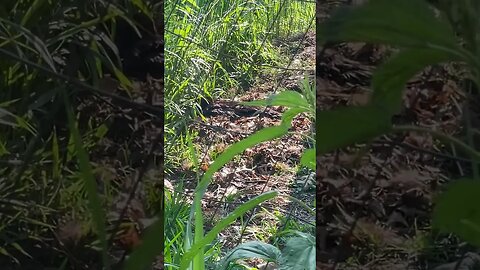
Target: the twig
(422, 150)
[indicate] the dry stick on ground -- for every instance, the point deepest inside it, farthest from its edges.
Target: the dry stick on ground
(381, 143)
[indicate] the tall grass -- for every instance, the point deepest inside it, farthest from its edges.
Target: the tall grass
(215, 46)
(49, 51)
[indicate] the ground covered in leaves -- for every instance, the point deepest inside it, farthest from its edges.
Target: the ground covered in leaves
(374, 207)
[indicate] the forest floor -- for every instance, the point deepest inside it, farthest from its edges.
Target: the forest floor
(388, 191)
(268, 166)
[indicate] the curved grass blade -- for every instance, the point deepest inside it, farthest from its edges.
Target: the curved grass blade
(287, 98)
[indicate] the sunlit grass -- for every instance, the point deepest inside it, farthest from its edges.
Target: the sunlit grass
(214, 46)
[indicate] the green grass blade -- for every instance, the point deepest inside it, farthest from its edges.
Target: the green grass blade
(389, 80)
(288, 98)
(94, 202)
(152, 245)
(409, 23)
(344, 126)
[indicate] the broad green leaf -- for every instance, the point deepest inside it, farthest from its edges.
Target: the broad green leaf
(410, 23)
(457, 210)
(253, 249)
(344, 126)
(151, 247)
(390, 79)
(309, 159)
(289, 99)
(225, 222)
(299, 253)
(40, 47)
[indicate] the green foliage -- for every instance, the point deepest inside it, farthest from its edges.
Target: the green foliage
(457, 210)
(423, 37)
(95, 205)
(195, 243)
(43, 145)
(342, 127)
(298, 253)
(216, 46)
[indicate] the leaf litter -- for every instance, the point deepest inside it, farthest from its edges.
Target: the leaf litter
(389, 190)
(267, 166)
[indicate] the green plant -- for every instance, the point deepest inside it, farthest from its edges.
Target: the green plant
(53, 55)
(424, 35)
(298, 253)
(195, 243)
(215, 46)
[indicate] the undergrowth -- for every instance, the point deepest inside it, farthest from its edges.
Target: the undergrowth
(54, 57)
(424, 34)
(216, 48)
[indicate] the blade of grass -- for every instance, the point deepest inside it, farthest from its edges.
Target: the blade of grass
(94, 202)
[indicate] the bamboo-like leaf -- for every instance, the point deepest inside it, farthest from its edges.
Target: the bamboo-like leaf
(344, 126)
(40, 46)
(390, 79)
(404, 23)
